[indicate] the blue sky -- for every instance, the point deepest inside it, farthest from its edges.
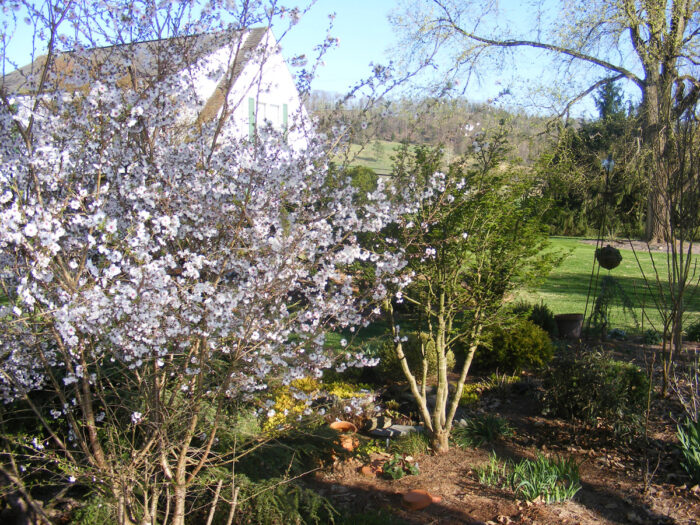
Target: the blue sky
(367, 36)
(364, 32)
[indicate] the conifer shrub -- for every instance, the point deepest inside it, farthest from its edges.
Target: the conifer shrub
(514, 346)
(692, 331)
(275, 501)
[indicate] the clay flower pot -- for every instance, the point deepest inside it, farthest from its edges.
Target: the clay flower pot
(349, 442)
(343, 426)
(418, 499)
(569, 325)
(346, 439)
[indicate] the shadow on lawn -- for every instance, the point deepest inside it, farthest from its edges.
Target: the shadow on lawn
(575, 285)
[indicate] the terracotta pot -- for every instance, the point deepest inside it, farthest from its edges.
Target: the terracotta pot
(569, 325)
(346, 439)
(418, 499)
(349, 442)
(343, 426)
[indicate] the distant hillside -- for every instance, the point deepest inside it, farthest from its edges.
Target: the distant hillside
(454, 123)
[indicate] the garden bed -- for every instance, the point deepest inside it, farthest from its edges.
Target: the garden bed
(620, 483)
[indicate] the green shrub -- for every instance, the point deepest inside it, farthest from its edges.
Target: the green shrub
(552, 480)
(543, 317)
(652, 337)
(276, 501)
(95, 511)
(594, 386)
(514, 346)
(480, 430)
(297, 451)
(416, 346)
(411, 444)
(689, 438)
(692, 331)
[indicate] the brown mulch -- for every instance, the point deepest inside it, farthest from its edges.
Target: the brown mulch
(638, 246)
(621, 483)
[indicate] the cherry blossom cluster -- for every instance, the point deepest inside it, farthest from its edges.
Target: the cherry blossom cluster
(129, 236)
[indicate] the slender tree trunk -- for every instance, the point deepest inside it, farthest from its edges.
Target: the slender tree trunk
(440, 441)
(179, 494)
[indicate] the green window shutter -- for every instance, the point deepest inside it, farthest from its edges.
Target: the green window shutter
(251, 118)
(284, 119)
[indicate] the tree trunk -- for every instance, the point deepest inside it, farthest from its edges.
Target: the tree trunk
(652, 137)
(179, 494)
(123, 512)
(440, 441)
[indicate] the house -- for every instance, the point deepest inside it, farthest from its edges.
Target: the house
(240, 72)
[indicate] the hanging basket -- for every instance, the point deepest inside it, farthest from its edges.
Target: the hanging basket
(608, 257)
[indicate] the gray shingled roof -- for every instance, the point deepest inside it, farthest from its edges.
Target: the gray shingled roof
(141, 58)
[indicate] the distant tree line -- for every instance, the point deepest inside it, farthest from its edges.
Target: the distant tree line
(566, 154)
(452, 122)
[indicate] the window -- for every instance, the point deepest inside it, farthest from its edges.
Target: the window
(275, 114)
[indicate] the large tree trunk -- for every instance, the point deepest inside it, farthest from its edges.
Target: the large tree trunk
(656, 119)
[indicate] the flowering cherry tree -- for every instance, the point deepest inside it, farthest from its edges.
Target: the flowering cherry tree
(154, 268)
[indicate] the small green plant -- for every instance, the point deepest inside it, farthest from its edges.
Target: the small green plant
(689, 438)
(398, 467)
(692, 331)
(367, 447)
(552, 480)
(480, 430)
(500, 384)
(95, 511)
(652, 337)
(411, 444)
(470, 394)
(493, 473)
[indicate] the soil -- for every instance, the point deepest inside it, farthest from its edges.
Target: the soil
(622, 482)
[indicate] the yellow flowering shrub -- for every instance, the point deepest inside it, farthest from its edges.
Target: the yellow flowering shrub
(287, 407)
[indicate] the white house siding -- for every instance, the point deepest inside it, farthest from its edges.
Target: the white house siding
(270, 87)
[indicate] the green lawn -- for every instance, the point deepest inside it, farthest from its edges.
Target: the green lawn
(375, 155)
(566, 289)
